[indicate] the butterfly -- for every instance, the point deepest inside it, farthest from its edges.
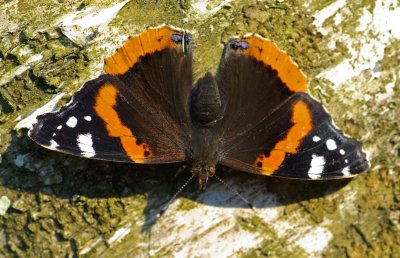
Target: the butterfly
(255, 114)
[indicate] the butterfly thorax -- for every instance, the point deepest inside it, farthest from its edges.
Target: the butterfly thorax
(205, 112)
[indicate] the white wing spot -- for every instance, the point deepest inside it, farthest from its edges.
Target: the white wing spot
(342, 152)
(54, 144)
(88, 118)
(346, 161)
(316, 139)
(72, 121)
(346, 171)
(331, 144)
(317, 166)
(85, 144)
(59, 127)
(54, 134)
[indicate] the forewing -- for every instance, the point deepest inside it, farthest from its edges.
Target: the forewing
(137, 112)
(271, 125)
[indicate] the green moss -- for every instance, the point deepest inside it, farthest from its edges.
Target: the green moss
(316, 6)
(272, 245)
(251, 224)
(186, 205)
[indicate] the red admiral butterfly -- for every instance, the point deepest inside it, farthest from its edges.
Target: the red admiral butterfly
(254, 115)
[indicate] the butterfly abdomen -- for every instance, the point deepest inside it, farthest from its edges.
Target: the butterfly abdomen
(205, 148)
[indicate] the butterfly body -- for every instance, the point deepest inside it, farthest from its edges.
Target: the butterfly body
(205, 111)
(254, 114)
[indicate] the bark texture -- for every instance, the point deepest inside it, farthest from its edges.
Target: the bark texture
(54, 205)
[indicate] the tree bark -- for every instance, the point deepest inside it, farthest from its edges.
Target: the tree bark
(56, 205)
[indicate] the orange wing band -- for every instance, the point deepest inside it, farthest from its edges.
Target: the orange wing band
(106, 100)
(148, 42)
(266, 51)
(301, 117)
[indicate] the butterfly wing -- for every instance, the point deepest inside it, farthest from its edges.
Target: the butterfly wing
(271, 125)
(137, 111)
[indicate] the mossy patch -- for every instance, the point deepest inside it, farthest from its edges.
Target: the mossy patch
(272, 245)
(186, 205)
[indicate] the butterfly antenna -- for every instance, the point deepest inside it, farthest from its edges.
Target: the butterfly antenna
(162, 211)
(251, 206)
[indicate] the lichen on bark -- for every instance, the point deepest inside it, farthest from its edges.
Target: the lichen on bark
(67, 206)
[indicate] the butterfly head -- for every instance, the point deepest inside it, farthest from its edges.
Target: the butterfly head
(203, 172)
